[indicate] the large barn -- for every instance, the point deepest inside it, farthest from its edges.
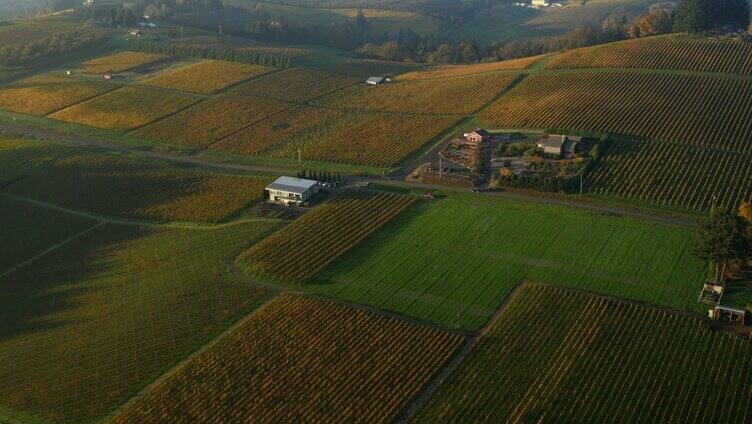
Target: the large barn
(291, 191)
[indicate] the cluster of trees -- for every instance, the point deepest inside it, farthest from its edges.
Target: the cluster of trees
(50, 50)
(261, 57)
(321, 176)
(711, 15)
(725, 239)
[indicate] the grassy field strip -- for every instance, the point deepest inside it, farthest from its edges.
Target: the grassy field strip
(454, 260)
(141, 223)
(11, 416)
(52, 248)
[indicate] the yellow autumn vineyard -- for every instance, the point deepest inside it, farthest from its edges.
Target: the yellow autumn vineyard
(300, 360)
(321, 235)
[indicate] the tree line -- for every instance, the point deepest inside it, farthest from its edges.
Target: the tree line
(52, 49)
(259, 57)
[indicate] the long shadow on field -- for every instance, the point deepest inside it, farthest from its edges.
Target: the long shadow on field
(116, 186)
(44, 294)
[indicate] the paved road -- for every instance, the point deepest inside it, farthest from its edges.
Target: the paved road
(587, 204)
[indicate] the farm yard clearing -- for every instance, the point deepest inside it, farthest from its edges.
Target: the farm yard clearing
(556, 355)
(383, 362)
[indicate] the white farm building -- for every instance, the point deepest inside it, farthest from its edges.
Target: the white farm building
(291, 191)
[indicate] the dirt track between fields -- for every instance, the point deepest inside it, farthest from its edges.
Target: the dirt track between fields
(580, 203)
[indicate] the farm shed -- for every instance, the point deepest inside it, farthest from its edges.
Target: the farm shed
(291, 191)
(558, 145)
(375, 80)
(728, 313)
(478, 136)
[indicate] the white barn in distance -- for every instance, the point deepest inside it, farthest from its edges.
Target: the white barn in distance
(291, 191)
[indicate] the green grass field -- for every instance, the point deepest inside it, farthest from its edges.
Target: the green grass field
(84, 327)
(557, 356)
(454, 260)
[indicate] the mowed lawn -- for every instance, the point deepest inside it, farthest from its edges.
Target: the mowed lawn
(454, 260)
(83, 328)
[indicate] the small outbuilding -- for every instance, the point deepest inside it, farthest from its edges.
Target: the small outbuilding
(375, 80)
(478, 136)
(559, 145)
(291, 191)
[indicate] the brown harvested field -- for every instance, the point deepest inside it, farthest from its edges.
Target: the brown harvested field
(296, 84)
(300, 360)
(42, 94)
(116, 186)
(206, 123)
(124, 109)
(277, 129)
(207, 77)
(119, 62)
(450, 96)
(460, 70)
(365, 138)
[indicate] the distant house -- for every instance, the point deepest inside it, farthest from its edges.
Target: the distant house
(375, 80)
(107, 76)
(291, 191)
(136, 33)
(478, 136)
(540, 3)
(559, 145)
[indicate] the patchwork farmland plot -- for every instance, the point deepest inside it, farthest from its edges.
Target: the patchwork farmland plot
(664, 52)
(292, 124)
(207, 77)
(85, 327)
(320, 236)
(296, 84)
(125, 109)
(454, 260)
(117, 186)
(28, 231)
(450, 96)
(42, 94)
(446, 71)
(556, 356)
(673, 175)
(20, 157)
(301, 360)
(373, 139)
(697, 110)
(119, 62)
(204, 124)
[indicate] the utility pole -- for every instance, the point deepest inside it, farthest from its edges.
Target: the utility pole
(440, 166)
(300, 162)
(220, 30)
(581, 176)
(181, 32)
